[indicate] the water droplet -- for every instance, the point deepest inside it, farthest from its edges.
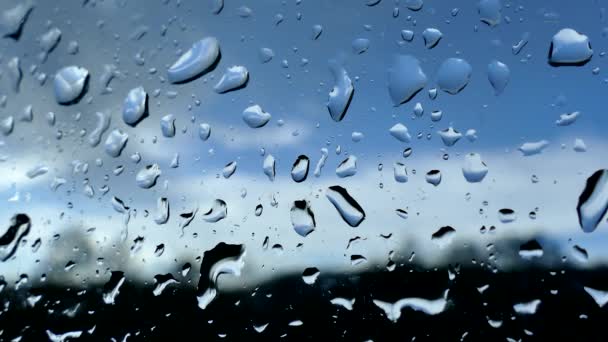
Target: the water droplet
(229, 169)
(579, 145)
(36, 171)
(161, 281)
(269, 167)
(14, 73)
(13, 19)
(405, 79)
(449, 136)
(593, 201)
(531, 249)
(70, 83)
(135, 107)
(204, 131)
(217, 6)
(527, 308)
(112, 287)
(316, 31)
(302, 218)
(348, 167)
(235, 77)
(299, 170)
(341, 94)
(490, 12)
(115, 142)
(443, 236)
(357, 136)
(580, 253)
(600, 297)
(348, 208)
(567, 119)
(7, 124)
(474, 169)
(454, 75)
(194, 62)
(499, 76)
(217, 212)
(255, 117)
(258, 210)
(431, 37)
(222, 259)
(321, 162)
(146, 177)
(433, 177)
(569, 47)
(265, 55)
(103, 123)
(428, 306)
(162, 211)
(407, 35)
(400, 132)
(400, 172)
(533, 147)
(11, 239)
(360, 45)
(167, 125)
(401, 213)
(506, 215)
(310, 275)
(343, 302)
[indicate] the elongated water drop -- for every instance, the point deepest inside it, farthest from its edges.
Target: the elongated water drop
(194, 62)
(593, 201)
(348, 208)
(341, 94)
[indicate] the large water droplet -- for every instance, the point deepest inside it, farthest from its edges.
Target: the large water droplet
(400, 172)
(433, 177)
(533, 147)
(453, 75)
(400, 132)
(235, 77)
(162, 211)
(443, 236)
(600, 297)
(255, 117)
(498, 75)
(527, 308)
(103, 123)
(269, 167)
(348, 208)
(449, 136)
(146, 177)
(348, 167)
(115, 142)
(567, 119)
(474, 169)
(112, 287)
(217, 212)
(302, 218)
(593, 201)
(299, 170)
(569, 47)
(161, 281)
(229, 169)
(360, 45)
(201, 57)
(490, 11)
(342, 92)
(531, 249)
(428, 306)
(222, 259)
(167, 125)
(135, 107)
(405, 79)
(310, 275)
(431, 37)
(11, 239)
(13, 19)
(69, 84)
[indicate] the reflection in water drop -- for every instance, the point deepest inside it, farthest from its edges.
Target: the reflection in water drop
(350, 211)
(569, 47)
(341, 94)
(194, 62)
(302, 218)
(222, 259)
(405, 79)
(453, 75)
(299, 170)
(593, 201)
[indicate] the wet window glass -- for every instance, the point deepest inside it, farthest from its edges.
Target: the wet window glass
(358, 170)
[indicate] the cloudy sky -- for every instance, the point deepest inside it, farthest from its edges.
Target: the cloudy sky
(141, 42)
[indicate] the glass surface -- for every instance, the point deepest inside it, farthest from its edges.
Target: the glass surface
(361, 170)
